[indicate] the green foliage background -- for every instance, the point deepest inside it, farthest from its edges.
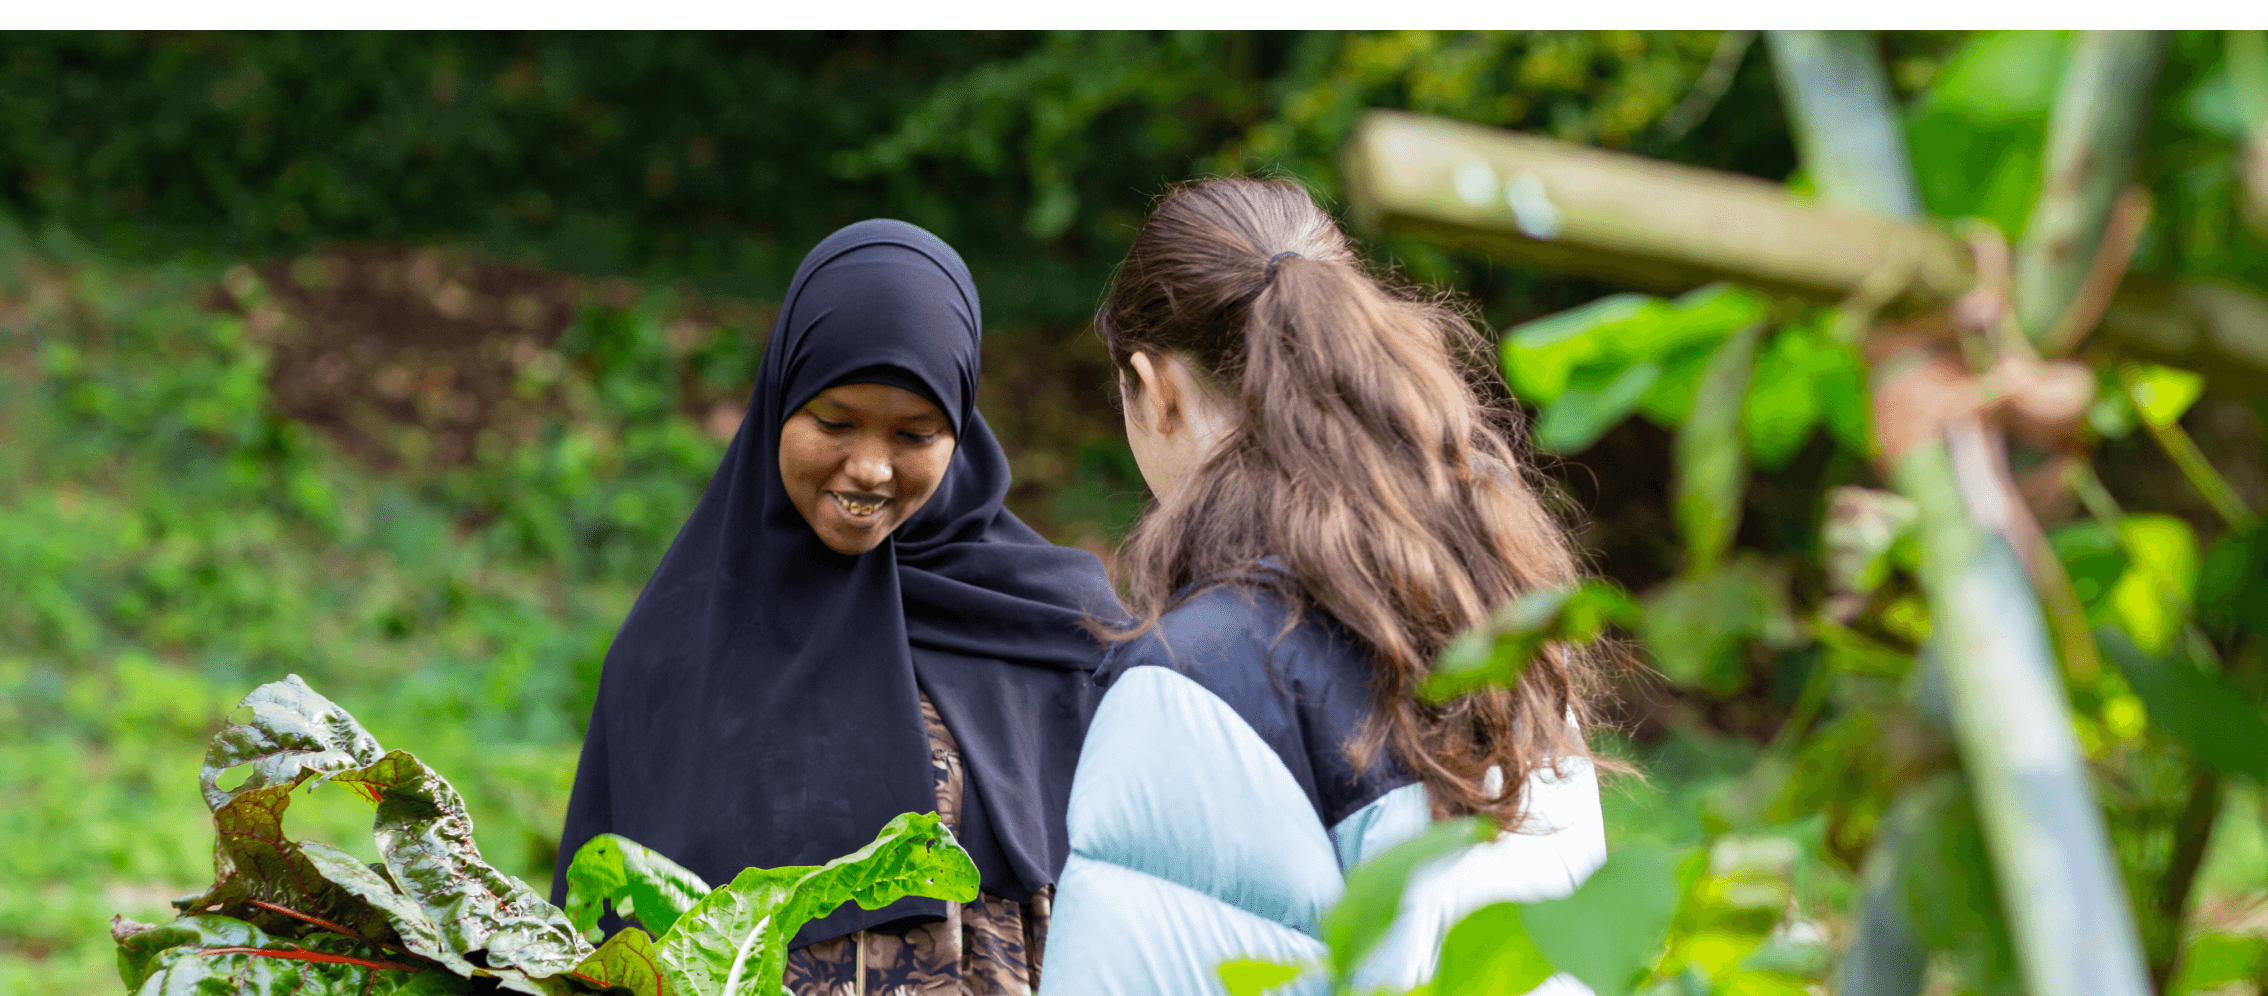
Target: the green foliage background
(171, 538)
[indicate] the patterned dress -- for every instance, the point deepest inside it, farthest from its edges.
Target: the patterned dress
(990, 947)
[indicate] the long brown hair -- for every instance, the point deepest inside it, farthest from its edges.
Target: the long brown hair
(1364, 458)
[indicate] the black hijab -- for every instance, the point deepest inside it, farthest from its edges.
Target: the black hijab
(760, 707)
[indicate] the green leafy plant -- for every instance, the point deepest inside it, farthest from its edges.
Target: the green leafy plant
(433, 917)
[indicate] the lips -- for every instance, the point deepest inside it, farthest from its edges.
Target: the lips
(859, 507)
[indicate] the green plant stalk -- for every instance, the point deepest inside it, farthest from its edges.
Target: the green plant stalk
(2199, 471)
(1846, 125)
(2093, 130)
(1885, 957)
(2066, 907)
(2050, 849)
(2192, 833)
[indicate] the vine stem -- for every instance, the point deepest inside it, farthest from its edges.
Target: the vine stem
(2184, 452)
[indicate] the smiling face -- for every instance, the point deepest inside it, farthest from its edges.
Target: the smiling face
(859, 459)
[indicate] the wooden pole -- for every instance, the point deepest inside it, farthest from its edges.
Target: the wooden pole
(2092, 134)
(1669, 227)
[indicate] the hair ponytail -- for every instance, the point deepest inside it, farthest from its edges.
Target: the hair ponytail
(1363, 458)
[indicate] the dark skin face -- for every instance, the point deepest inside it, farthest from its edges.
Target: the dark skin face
(860, 459)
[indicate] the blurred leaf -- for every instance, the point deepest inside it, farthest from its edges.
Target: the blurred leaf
(2152, 599)
(2212, 960)
(640, 882)
(2232, 584)
(1588, 407)
(1374, 888)
(1497, 652)
(2162, 394)
(2094, 559)
(627, 961)
(1783, 403)
(734, 941)
(1245, 977)
(1540, 356)
(1488, 952)
(1610, 929)
(2001, 77)
(1953, 901)
(1697, 628)
(2216, 722)
(1711, 474)
(1862, 524)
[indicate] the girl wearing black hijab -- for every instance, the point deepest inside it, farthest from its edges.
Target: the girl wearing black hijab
(850, 627)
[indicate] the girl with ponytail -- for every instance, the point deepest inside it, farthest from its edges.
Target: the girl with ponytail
(1335, 502)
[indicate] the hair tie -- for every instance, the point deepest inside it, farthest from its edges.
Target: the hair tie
(1270, 276)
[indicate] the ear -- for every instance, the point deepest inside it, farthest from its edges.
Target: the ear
(1156, 394)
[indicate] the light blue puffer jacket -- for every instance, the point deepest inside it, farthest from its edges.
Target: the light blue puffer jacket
(1214, 815)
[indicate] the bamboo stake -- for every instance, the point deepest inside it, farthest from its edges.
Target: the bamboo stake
(1846, 126)
(2092, 134)
(1670, 227)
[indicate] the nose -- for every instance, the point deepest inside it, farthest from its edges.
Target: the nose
(868, 466)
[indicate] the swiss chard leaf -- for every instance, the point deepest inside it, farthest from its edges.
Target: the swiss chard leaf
(290, 737)
(734, 941)
(639, 881)
(409, 921)
(425, 838)
(627, 960)
(195, 955)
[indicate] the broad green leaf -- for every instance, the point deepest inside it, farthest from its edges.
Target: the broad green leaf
(1497, 652)
(2152, 599)
(2161, 394)
(1245, 977)
(627, 960)
(1614, 924)
(1373, 898)
(1591, 405)
(2216, 722)
(1487, 953)
(734, 941)
(1670, 400)
(2000, 77)
(2094, 559)
(425, 838)
(1540, 356)
(1782, 406)
(1711, 474)
(639, 881)
(2232, 584)
(1696, 627)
